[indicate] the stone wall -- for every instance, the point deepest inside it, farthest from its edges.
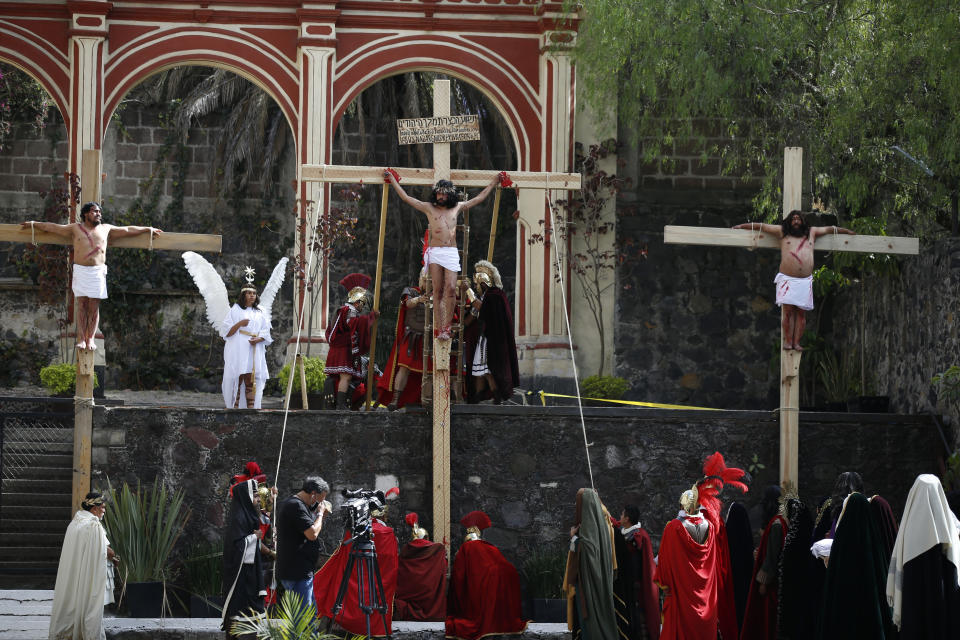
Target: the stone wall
(522, 465)
(908, 324)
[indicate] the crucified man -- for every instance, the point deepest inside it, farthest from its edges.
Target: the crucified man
(441, 257)
(795, 281)
(90, 238)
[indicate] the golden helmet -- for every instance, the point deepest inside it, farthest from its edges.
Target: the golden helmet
(689, 499)
(485, 273)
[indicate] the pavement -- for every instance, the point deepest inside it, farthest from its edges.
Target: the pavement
(25, 615)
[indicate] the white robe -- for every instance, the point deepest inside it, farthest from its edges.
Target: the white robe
(238, 356)
(78, 597)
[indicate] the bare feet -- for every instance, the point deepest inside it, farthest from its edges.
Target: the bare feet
(92, 345)
(443, 334)
(787, 346)
(81, 345)
(797, 347)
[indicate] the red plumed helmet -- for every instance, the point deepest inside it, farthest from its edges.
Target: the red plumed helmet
(411, 519)
(716, 475)
(477, 519)
(354, 280)
(392, 492)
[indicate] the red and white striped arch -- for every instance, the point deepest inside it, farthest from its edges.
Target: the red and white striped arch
(39, 49)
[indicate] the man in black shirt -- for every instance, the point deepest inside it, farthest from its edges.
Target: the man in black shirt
(299, 521)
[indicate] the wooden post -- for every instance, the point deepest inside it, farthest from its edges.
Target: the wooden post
(790, 360)
(441, 442)
(493, 224)
(82, 426)
(376, 293)
(305, 402)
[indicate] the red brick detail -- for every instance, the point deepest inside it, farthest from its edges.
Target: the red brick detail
(203, 437)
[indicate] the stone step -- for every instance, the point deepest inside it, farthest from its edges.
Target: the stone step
(16, 432)
(12, 541)
(52, 500)
(35, 448)
(44, 458)
(27, 556)
(36, 487)
(36, 468)
(20, 525)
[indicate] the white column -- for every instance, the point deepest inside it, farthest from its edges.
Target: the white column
(315, 137)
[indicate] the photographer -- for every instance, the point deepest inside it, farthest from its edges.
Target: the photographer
(299, 521)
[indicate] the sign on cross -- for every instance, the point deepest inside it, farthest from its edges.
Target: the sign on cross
(789, 359)
(83, 404)
(428, 177)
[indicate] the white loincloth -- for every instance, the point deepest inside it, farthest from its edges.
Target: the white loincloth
(90, 282)
(446, 257)
(794, 291)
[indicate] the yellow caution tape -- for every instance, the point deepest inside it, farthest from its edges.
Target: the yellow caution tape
(636, 403)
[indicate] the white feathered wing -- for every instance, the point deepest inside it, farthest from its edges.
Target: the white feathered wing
(273, 286)
(211, 287)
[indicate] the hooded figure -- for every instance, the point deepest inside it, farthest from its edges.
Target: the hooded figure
(854, 604)
(797, 571)
(242, 564)
(740, 543)
(922, 582)
(588, 582)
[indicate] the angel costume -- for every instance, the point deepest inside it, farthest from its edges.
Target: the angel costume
(81, 588)
(240, 358)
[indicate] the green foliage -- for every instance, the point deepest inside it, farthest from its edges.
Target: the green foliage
(868, 89)
(838, 376)
(204, 568)
(949, 383)
(22, 99)
(291, 621)
(313, 373)
(755, 465)
(61, 378)
(543, 573)
(951, 477)
(605, 387)
(143, 527)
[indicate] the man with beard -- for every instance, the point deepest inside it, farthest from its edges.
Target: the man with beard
(90, 236)
(794, 282)
(442, 257)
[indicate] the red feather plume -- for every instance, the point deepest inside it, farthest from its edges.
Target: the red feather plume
(411, 519)
(391, 492)
(717, 475)
(355, 280)
(477, 519)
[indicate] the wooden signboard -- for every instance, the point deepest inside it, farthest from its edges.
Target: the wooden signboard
(438, 129)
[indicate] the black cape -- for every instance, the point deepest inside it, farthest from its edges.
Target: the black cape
(797, 574)
(243, 584)
(854, 601)
(740, 542)
(931, 597)
(496, 324)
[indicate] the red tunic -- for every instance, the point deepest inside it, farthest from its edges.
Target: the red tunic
(699, 601)
(760, 618)
(484, 593)
(349, 338)
(407, 351)
(326, 582)
(421, 582)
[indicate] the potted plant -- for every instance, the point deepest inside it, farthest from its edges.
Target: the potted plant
(313, 373)
(543, 576)
(61, 379)
(143, 527)
(603, 387)
(838, 378)
(205, 580)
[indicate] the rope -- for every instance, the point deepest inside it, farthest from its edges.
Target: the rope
(566, 318)
(151, 239)
(543, 395)
(79, 401)
(33, 234)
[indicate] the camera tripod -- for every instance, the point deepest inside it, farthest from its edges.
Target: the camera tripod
(370, 596)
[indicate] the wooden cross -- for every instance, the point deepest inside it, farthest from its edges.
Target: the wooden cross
(83, 395)
(789, 360)
(441, 355)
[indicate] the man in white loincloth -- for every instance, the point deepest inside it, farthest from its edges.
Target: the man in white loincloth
(90, 238)
(795, 281)
(442, 257)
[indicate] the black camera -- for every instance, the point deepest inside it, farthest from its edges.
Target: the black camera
(356, 510)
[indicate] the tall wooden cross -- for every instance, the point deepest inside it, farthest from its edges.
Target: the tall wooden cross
(83, 396)
(441, 355)
(789, 360)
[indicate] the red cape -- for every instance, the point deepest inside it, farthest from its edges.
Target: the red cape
(760, 617)
(326, 582)
(385, 388)
(648, 596)
(484, 593)
(700, 596)
(421, 582)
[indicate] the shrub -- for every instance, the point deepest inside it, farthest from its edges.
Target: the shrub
(608, 387)
(61, 378)
(313, 370)
(543, 573)
(949, 383)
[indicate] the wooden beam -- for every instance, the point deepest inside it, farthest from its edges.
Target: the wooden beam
(165, 241)
(425, 177)
(745, 238)
(789, 416)
(82, 427)
(90, 171)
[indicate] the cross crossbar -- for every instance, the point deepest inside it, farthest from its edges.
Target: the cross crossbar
(427, 177)
(165, 241)
(721, 237)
